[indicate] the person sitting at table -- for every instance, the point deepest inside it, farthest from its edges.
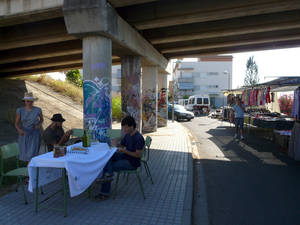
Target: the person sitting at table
(127, 156)
(54, 133)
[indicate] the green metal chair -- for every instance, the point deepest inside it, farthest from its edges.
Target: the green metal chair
(76, 132)
(12, 151)
(145, 157)
(136, 171)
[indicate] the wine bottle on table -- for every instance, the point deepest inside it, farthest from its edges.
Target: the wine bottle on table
(84, 139)
(88, 134)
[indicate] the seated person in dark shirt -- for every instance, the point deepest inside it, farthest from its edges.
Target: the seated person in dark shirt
(127, 156)
(54, 133)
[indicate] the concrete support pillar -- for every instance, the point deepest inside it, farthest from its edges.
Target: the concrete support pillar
(150, 88)
(162, 100)
(131, 88)
(97, 54)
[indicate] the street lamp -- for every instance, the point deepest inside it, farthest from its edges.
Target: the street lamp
(228, 85)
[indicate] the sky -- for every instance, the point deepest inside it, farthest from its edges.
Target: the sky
(271, 63)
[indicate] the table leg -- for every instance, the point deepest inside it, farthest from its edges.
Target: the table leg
(64, 191)
(37, 190)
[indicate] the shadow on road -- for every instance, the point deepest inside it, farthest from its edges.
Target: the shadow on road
(257, 185)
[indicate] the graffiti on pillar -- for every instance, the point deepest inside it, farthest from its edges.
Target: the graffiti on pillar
(162, 108)
(131, 91)
(149, 110)
(97, 106)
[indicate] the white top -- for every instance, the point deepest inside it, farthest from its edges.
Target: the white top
(82, 169)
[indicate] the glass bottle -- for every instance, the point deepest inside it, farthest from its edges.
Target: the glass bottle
(88, 134)
(84, 139)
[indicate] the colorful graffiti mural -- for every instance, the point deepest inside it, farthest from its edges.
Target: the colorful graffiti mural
(131, 96)
(149, 111)
(162, 114)
(97, 106)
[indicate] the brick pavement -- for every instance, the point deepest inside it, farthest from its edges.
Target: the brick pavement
(168, 201)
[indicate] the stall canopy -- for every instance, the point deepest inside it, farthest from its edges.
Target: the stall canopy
(280, 84)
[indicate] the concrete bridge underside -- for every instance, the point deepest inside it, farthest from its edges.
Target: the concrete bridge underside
(34, 38)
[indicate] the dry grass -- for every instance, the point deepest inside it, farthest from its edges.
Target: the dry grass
(63, 87)
(76, 93)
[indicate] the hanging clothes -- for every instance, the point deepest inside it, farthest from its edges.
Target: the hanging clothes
(268, 99)
(256, 97)
(296, 105)
(259, 97)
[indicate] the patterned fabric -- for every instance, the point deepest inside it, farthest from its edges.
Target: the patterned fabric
(296, 105)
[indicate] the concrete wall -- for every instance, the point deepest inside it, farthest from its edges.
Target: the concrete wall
(11, 7)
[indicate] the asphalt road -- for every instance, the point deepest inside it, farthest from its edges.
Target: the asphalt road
(249, 182)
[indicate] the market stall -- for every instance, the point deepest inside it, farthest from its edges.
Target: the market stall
(262, 111)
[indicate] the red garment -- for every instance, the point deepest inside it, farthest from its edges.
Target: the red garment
(268, 99)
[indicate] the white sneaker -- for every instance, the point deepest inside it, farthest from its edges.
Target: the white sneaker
(242, 138)
(235, 136)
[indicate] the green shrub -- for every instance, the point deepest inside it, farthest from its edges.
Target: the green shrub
(116, 108)
(74, 77)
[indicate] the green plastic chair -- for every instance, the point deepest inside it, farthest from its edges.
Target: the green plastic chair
(146, 156)
(136, 171)
(12, 151)
(76, 132)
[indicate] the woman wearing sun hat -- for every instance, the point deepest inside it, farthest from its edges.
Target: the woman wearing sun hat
(28, 123)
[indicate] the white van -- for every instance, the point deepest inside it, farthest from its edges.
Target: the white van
(199, 104)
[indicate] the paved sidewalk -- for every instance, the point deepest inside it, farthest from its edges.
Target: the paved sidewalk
(168, 201)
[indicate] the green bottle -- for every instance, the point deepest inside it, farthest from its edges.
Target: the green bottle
(84, 139)
(88, 134)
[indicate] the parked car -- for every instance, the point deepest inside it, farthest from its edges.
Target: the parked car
(180, 113)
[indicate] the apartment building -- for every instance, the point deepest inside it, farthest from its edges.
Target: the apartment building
(209, 75)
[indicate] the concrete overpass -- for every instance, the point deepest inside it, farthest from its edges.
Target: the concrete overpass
(34, 37)
(38, 36)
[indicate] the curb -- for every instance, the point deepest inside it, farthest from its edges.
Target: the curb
(189, 195)
(189, 190)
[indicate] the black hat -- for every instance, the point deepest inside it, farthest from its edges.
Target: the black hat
(57, 118)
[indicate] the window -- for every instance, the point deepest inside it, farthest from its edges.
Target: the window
(213, 86)
(213, 73)
(205, 101)
(196, 87)
(199, 101)
(191, 101)
(196, 74)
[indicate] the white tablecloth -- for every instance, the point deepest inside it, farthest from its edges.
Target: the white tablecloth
(82, 169)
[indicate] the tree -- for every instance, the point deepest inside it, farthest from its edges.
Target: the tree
(251, 77)
(74, 77)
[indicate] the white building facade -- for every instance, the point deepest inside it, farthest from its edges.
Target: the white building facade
(208, 76)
